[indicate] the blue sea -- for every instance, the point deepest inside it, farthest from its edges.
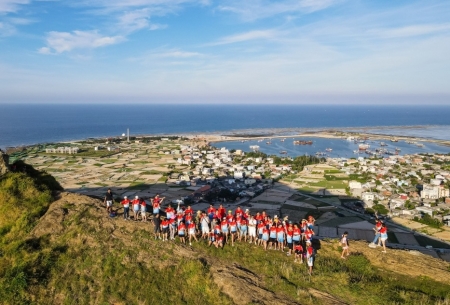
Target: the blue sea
(42, 123)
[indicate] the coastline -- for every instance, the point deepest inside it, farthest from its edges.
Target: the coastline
(277, 133)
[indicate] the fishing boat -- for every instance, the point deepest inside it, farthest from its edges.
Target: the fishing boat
(329, 149)
(394, 140)
(254, 147)
(383, 144)
(363, 146)
(283, 152)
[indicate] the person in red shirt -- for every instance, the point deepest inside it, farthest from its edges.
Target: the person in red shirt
(126, 207)
(211, 211)
(222, 212)
(238, 211)
(219, 240)
(298, 250)
(272, 237)
(260, 227)
(189, 211)
(216, 219)
(182, 232)
(289, 237)
(156, 203)
(136, 207)
(383, 236)
(233, 230)
(165, 228)
(258, 218)
(229, 216)
(192, 231)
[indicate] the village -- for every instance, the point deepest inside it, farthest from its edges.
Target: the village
(409, 191)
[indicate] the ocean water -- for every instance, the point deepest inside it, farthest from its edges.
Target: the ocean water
(339, 147)
(42, 123)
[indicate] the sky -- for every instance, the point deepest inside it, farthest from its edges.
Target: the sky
(230, 51)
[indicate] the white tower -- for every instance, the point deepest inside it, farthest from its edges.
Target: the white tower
(128, 134)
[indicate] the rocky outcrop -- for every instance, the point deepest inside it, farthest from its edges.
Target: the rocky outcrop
(4, 163)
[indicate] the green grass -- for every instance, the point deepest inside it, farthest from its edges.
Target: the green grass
(330, 184)
(151, 172)
(332, 171)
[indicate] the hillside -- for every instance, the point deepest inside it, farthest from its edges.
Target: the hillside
(76, 254)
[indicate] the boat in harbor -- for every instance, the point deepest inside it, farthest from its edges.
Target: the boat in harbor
(419, 145)
(303, 142)
(383, 144)
(254, 147)
(283, 152)
(363, 146)
(320, 153)
(394, 140)
(329, 149)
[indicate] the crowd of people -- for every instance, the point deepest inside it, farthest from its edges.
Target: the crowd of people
(219, 227)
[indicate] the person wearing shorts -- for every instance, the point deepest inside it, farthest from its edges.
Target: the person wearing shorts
(280, 237)
(289, 236)
(136, 207)
(272, 237)
(192, 233)
(143, 210)
(298, 251)
(182, 232)
(165, 229)
(297, 234)
(261, 226)
(243, 230)
(233, 231)
(109, 198)
(219, 240)
(344, 243)
(383, 236)
(265, 237)
(252, 223)
(224, 229)
(211, 238)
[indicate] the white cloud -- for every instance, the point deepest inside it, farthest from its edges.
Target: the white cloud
(137, 20)
(413, 30)
(59, 42)
(251, 35)
(11, 6)
(251, 10)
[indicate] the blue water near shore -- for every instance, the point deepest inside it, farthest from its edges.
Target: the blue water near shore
(339, 147)
(33, 123)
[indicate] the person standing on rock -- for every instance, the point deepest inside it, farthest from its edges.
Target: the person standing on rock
(109, 198)
(126, 208)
